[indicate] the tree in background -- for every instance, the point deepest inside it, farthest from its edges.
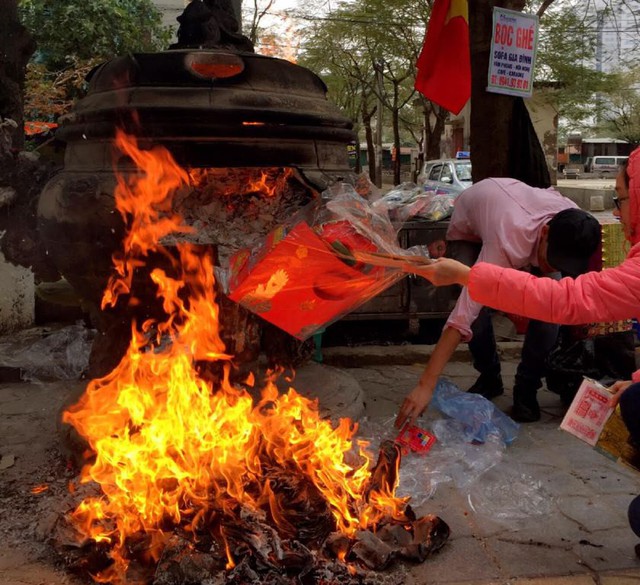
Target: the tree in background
(361, 32)
(343, 67)
(621, 117)
(398, 35)
(276, 27)
(75, 35)
(567, 47)
(365, 51)
(254, 17)
(16, 47)
(567, 56)
(70, 34)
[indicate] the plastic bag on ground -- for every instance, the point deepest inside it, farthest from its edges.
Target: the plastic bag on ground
(509, 493)
(48, 354)
(452, 459)
(479, 416)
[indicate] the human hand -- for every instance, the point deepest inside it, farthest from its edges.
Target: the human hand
(617, 389)
(442, 271)
(414, 404)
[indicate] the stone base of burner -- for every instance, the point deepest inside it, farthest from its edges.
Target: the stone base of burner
(339, 394)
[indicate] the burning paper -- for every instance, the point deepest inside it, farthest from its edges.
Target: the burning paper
(179, 468)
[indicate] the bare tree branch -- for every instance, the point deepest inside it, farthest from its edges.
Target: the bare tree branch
(544, 6)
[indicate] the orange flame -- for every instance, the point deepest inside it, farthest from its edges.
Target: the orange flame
(242, 181)
(169, 449)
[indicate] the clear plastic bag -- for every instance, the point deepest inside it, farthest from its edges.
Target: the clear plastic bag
(342, 203)
(330, 258)
(508, 493)
(438, 206)
(409, 201)
(480, 417)
(55, 354)
(451, 460)
(399, 196)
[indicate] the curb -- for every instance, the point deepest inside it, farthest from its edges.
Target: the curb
(402, 355)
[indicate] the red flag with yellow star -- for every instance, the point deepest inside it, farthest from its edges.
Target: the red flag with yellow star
(444, 64)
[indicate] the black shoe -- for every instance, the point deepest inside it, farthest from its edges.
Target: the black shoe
(489, 387)
(637, 549)
(525, 412)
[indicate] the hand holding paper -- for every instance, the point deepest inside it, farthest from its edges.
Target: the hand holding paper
(616, 389)
(441, 271)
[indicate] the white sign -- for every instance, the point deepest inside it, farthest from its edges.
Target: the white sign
(513, 52)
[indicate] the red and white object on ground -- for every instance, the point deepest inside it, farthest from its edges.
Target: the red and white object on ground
(413, 438)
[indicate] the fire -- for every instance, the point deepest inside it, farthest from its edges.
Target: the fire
(172, 451)
(242, 181)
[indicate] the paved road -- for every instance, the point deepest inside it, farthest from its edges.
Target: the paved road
(590, 183)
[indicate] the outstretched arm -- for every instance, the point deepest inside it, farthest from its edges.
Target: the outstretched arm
(595, 296)
(442, 271)
(418, 399)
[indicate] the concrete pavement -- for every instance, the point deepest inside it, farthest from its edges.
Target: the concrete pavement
(550, 509)
(547, 509)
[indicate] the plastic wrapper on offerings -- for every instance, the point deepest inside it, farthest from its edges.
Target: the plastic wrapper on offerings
(439, 205)
(408, 201)
(399, 197)
(333, 256)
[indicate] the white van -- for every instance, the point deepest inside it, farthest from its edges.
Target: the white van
(604, 165)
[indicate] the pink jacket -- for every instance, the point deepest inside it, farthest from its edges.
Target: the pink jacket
(610, 295)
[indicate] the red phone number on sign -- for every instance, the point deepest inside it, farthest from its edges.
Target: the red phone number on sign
(504, 81)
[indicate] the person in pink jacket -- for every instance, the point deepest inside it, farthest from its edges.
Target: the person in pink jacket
(609, 295)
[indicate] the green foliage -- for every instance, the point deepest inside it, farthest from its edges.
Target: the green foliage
(566, 59)
(91, 29)
(72, 36)
(621, 114)
(344, 48)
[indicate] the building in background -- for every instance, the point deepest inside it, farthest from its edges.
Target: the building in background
(618, 42)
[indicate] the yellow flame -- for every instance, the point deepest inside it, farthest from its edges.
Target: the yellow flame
(169, 448)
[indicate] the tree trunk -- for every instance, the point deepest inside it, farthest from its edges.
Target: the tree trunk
(16, 47)
(368, 132)
(491, 113)
(434, 133)
(395, 121)
(420, 160)
(358, 161)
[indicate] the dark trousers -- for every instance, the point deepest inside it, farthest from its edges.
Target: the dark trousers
(539, 339)
(630, 411)
(634, 515)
